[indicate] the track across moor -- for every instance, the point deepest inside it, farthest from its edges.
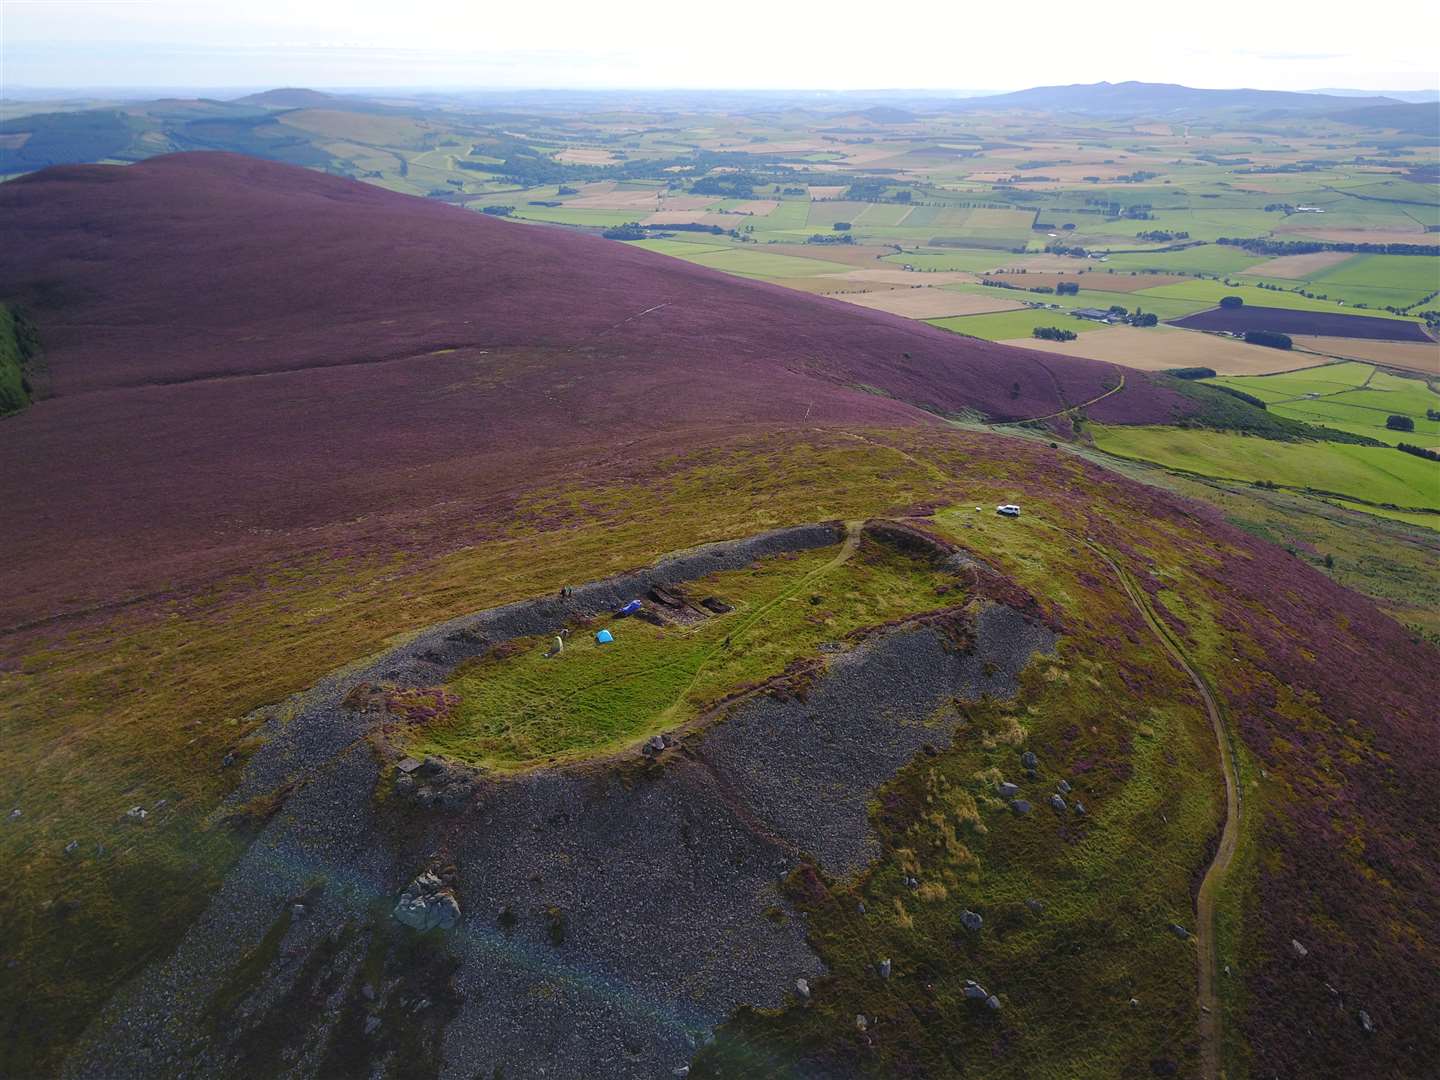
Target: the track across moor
(1207, 954)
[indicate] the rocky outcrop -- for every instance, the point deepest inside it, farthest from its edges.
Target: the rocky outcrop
(427, 904)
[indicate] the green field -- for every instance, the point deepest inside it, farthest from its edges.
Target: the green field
(559, 215)
(1163, 306)
(1210, 293)
(1369, 281)
(681, 249)
(1374, 474)
(1003, 325)
(525, 709)
(1352, 397)
(1400, 280)
(1207, 259)
(752, 262)
(14, 394)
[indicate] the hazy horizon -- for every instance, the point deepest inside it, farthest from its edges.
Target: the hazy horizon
(160, 44)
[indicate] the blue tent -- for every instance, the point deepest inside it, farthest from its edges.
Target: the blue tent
(630, 608)
(604, 637)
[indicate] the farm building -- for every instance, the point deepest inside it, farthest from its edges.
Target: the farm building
(1093, 313)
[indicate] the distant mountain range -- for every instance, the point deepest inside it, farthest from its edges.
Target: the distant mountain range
(1414, 96)
(1134, 98)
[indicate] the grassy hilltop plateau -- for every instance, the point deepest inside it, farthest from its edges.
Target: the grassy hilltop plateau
(513, 586)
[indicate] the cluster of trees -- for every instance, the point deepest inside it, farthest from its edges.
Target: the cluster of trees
(1067, 288)
(1064, 249)
(631, 230)
(829, 238)
(841, 226)
(1419, 451)
(1268, 337)
(867, 189)
(1264, 245)
(497, 210)
(19, 350)
(1289, 167)
(1396, 422)
(1192, 373)
(1053, 333)
(1161, 236)
(1231, 302)
(1249, 399)
(729, 185)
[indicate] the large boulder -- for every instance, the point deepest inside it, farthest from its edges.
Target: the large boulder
(427, 903)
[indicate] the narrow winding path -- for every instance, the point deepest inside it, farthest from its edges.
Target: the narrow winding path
(1066, 409)
(1211, 1066)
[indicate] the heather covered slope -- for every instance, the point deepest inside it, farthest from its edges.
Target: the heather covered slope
(250, 359)
(201, 265)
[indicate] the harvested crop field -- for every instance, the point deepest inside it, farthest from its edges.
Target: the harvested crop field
(1160, 349)
(832, 285)
(585, 156)
(753, 207)
(911, 277)
(927, 303)
(1290, 321)
(1411, 356)
(1299, 267)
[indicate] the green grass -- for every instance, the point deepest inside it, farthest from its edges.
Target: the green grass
(1351, 397)
(1205, 259)
(17, 346)
(681, 249)
(1210, 293)
(1363, 473)
(824, 214)
(524, 709)
(1164, 307)
(790, 214)
(562, 216)
(940, 822)
(760, 263)
(1410, 517)
(1004, 325)
(1407, 277)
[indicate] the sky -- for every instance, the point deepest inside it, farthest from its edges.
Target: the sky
(740, 44)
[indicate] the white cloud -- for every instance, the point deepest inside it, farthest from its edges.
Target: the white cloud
(743, 43)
